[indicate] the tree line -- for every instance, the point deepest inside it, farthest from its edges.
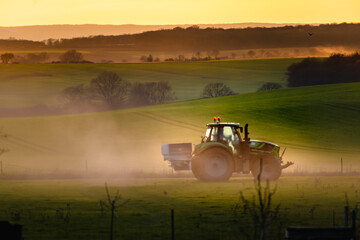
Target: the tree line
(338, 68)
(109, 91)
(196, 39)
(70, 56)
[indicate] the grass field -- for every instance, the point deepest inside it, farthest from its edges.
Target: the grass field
(202, 210)
(318, 125)
(31, 84)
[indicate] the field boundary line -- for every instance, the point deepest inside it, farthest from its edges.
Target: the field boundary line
(164, 121)
(173, 120)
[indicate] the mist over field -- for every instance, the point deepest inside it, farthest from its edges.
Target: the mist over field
(128, 142)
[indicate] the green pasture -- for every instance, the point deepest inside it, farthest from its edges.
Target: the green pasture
(202, 210)
(318, 125)
(31, 84)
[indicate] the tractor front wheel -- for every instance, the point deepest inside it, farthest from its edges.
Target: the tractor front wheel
(271, 168)
(214, 164)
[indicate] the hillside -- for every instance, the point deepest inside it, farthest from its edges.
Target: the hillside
(318, 125)
(197, 39)
(59, 31)
(23, 85)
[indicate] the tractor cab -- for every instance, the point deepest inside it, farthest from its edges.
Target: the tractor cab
(228, 134)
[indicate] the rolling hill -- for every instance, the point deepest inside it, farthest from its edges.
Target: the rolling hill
(317, 124)
(59, 31)
(23, 85)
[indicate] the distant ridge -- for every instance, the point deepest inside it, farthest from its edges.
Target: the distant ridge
(43, 32)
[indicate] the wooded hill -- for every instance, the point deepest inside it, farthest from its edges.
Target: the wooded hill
(196, 39)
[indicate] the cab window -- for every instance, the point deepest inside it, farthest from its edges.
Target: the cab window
(207, 134)
(227, 134)
(214, 134)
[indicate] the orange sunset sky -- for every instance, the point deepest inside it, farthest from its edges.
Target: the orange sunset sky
(41, 12)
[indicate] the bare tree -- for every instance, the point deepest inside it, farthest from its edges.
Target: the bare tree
(112, 204)
(216, 90)
(198, 55)
(161, 93)
(251, 53)
(37, 58)
(110, 88)
(71, 56)
(72, 95)
(260, 208)
(269, 86)
(150, 58)
(2, 149)
(181, 58)
(215, 53)
(150, 93)
(6, 57)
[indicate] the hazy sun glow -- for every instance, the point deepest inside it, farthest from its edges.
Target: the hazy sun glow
(41, 12)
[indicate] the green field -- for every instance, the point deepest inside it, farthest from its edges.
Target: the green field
(202, 210)
(318, 125)
(31, 84)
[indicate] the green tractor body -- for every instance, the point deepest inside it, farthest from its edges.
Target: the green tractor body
(223, 151)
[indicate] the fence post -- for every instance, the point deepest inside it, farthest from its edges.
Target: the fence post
(172, 225)
(342, 172)
(260, 170)
(353, 223)
(346, 216)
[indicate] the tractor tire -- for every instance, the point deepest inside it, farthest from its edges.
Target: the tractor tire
(213, 165)
(271, 169)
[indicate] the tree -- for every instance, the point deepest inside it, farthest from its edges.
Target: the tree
(110, 88)
(161, 92)
(150, 58)
(112, 204)
(260, 209)
(71, 56)
(37, 58)
(251, 53)
(2, 149)
(269, 86)
(338, 68)
(6, 57)
(150, 93)
(215, 53)
(198, 55)
(143, 58)
(216, 90)
(72, 95)
(181, 58)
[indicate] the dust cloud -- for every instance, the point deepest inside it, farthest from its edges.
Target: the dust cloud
(81, 145)
(122, 144)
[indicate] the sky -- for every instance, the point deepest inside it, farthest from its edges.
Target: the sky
(149, 12)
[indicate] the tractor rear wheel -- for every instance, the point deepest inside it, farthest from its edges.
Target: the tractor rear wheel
(214, 164)
(271, 168)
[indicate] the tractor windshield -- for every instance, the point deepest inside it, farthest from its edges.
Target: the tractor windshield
(212, 134)
(227, 134)
(207, 134)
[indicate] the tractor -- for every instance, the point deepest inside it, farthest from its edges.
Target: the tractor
(222, 152)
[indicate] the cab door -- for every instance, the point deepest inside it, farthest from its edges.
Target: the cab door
(229, 136)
